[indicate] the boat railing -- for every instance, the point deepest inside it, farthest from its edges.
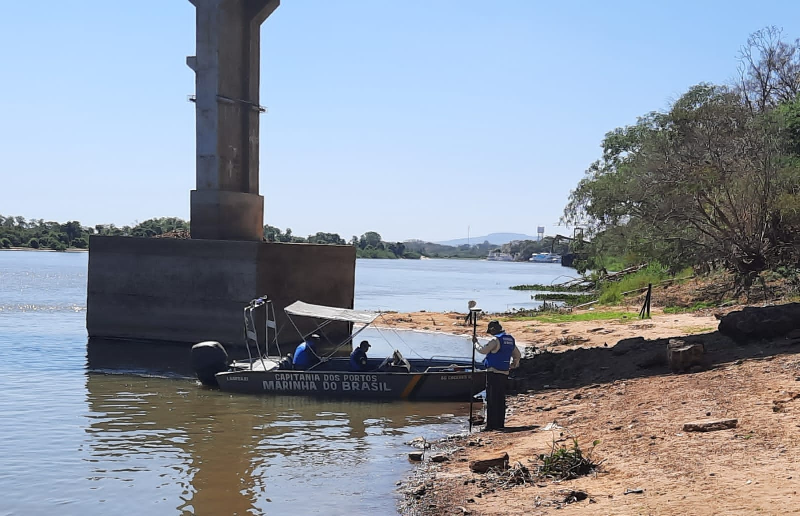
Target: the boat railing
(458, 364)
(448, 357)
(251, 334)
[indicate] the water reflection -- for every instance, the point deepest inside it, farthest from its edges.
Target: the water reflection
(204, 451)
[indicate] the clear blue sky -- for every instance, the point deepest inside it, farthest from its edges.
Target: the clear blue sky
(415, 119)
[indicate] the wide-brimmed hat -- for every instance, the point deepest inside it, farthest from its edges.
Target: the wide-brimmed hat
(494, 327)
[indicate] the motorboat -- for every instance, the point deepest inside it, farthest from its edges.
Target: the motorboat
(546, 258)
(500, 257)
(391, 377)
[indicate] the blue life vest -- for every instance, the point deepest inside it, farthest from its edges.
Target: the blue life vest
(303, 356)
(501, 359)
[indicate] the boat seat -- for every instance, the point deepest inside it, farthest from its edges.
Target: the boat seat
(395, 363)
(263, 365)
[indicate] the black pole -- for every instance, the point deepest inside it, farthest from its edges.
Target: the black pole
(644, 313)
(474, 316)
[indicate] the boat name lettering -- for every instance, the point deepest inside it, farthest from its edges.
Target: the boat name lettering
(366, 386)
(298, 377)
(454, 377)
(299, 385)
(289, 385)
(237, 378)
(360, 378)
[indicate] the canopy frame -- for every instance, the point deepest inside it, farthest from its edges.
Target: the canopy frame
(329, 314)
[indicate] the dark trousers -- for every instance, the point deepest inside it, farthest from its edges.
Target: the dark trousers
(495, 400)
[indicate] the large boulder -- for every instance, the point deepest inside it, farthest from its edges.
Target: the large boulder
(482, 465)
(683, 355)
(757, 323)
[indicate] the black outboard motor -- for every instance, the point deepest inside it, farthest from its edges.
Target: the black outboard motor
(208, 359)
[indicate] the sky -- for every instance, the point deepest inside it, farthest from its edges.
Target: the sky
(426, 119)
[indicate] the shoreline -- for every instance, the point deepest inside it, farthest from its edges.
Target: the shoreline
(68, 250)
(616, 389)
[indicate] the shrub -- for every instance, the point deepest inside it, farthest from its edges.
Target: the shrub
(564, 463)
(34, 243)
(5, 243)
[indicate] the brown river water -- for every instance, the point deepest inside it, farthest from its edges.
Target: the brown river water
(93, 428)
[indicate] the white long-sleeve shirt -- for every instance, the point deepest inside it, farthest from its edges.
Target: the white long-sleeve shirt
(493, 346)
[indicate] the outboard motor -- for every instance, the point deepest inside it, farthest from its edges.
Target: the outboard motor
(208, 359)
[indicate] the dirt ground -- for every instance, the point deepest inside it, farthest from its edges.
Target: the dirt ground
(561, 336)
(609, 381)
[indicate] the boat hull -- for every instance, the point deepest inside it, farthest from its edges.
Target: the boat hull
(454, 385)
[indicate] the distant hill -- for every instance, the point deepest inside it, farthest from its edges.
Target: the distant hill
(493, 238)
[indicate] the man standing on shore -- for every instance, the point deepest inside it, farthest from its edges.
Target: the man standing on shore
(502, 355)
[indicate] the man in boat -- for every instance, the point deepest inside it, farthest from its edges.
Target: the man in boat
(358, 358)
(306, 353)
(502, 355)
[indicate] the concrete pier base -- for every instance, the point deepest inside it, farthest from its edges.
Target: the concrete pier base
(194, 290)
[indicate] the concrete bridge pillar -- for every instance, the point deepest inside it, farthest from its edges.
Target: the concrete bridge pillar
(175, 290)
(226, 204)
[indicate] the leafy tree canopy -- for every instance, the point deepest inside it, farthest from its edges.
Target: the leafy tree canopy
(713, 181)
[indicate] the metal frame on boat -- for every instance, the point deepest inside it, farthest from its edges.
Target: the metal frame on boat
(392, 377)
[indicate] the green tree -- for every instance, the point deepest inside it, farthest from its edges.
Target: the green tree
(699, 184)
(72, 230)
(326, 238)
(369, 239)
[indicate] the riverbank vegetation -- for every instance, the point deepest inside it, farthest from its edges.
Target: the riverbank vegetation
(708, 188)
(712, 183)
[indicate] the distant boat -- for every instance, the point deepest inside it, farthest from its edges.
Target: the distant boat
(546, 258)
(500, 257)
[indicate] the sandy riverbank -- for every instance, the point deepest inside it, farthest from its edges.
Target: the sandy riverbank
(564, 335)
(614, 387)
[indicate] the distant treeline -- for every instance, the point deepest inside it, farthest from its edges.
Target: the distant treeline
(368, 245)
(16, 231)
(372, 245)
(41, 234)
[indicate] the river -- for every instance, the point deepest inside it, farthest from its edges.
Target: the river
(92, 429)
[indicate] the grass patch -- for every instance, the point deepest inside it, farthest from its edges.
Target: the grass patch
(568, 299)
(530, 315)
(548, 288)
(611, 293)
(687, 309)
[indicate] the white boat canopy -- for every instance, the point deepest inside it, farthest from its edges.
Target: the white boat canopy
(331, 313)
